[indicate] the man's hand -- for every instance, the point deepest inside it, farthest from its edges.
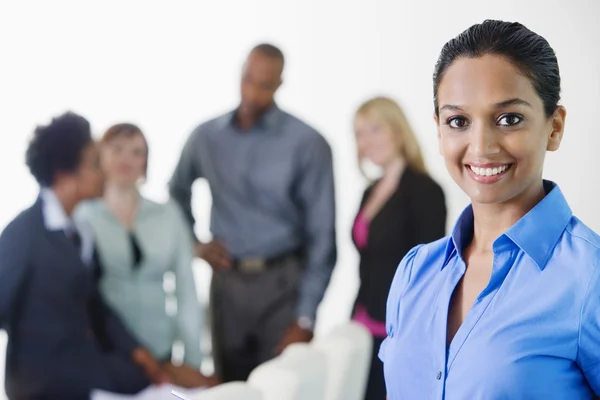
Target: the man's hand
(151, 367)
(294, 334)
(189, 377)
(214, 253)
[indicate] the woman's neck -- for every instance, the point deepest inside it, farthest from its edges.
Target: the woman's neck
(394, 169)
(66, 199)
(492, 220)
(123, 198)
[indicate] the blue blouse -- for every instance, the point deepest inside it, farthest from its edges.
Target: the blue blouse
(532, 333)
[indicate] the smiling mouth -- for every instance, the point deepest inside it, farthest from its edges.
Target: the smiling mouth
(482, 171)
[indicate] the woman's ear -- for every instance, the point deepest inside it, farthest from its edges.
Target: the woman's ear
(557, 124)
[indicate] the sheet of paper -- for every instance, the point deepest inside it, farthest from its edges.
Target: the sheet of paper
(162, 392)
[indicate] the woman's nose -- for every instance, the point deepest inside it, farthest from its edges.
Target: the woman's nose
(484, 140)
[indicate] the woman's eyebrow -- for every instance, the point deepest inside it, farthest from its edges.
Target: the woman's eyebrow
(502, 104)
(512, 102)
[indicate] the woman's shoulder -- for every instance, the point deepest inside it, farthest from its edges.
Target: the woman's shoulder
(88, 209)
(580, 231)
(167, 210)
(152, 205)
(580, 243)
(424, 181)
(22, 228)
(419, 263)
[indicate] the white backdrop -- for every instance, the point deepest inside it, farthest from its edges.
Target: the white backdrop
(169, 65)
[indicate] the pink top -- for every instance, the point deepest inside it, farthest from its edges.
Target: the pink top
(360, 232)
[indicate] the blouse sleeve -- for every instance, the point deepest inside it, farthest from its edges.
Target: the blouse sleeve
(588, 356)
(399, 284)
(189, 314)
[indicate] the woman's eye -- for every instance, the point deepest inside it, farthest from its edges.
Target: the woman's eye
(509, 120)
(457, 122)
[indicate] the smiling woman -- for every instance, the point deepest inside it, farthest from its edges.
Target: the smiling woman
(493, 124)
(488, 172)
(508, 306)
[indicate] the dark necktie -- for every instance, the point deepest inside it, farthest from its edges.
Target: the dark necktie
(75, 239)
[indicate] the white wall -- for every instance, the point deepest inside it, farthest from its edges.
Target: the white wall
(169, 65)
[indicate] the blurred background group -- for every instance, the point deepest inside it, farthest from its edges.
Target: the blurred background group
(262, 167)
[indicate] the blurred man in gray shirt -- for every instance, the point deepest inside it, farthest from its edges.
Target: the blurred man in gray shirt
(272, 219)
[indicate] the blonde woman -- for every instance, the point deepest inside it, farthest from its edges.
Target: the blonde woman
(403, 208)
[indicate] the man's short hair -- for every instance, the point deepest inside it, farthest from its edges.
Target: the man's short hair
(271, 51)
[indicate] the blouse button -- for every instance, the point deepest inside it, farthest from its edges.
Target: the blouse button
(438, 376)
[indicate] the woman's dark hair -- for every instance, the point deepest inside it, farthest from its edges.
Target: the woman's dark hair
(126, 130)
(57, 147)
(527, 50)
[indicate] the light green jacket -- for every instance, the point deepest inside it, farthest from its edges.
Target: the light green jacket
(138, 296)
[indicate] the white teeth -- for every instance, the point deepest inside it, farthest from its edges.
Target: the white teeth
(489, 171)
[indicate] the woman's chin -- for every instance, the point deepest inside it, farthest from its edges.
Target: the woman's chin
(123, 182)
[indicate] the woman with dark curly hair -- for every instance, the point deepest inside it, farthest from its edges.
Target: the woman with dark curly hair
(64, 341)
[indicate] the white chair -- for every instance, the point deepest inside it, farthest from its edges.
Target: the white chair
(348, 350)
(299, 373)
(276, 383)
(162, 392)
(230, 391)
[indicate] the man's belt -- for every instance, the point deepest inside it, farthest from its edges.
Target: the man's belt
(260, 264)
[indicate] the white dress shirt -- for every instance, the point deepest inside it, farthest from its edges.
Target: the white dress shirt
(56, 219)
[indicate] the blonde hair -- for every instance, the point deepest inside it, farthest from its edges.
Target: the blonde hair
(387, 112)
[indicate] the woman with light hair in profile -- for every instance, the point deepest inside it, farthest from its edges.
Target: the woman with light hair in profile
(401, 209)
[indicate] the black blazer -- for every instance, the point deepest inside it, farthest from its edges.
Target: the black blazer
(414, 214)
(63, 339)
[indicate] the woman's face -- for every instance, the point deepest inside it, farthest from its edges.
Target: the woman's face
(375, 141)
(492, 130)
(89, 179)
(124, 159)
